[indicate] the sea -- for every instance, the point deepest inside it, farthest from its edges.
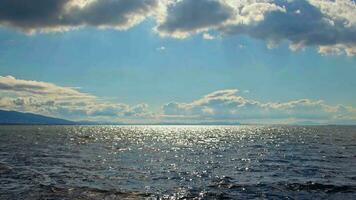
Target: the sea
(177, 162)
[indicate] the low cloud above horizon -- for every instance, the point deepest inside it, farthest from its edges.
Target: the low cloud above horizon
(50, 99)
(218, 106)
(228, 105)
(328, 25)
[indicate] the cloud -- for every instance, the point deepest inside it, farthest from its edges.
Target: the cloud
(227, 105)
(302, 24)
(222, 105)
(192, 16)
(207, 36)
(161, 48)
(10, 83)
(50, 99)
(60, 15)
(138, 110)
(328, 25)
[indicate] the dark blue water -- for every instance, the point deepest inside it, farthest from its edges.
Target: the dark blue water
(177, 162)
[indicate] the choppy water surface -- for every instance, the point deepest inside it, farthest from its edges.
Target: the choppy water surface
(177, 162)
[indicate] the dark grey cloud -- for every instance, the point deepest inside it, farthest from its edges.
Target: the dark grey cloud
(328, 25)
(30, 13)
(111, 12)
(50, 15)
(190, 15)
(301, 23)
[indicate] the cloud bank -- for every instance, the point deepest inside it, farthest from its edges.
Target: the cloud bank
(50, 99)
(328, 25)
(226, 105)
(222, 105)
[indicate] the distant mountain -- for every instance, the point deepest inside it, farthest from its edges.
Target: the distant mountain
(213, 123)
(13, 117)
(20, 118)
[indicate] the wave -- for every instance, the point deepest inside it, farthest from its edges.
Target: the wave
(309, 186)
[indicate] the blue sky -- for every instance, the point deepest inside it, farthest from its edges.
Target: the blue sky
(153, 63)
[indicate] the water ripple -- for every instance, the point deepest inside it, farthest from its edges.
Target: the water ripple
(177, 162)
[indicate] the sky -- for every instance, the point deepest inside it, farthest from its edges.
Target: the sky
(183, 61)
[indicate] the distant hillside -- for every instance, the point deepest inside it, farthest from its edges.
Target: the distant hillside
(13, 117)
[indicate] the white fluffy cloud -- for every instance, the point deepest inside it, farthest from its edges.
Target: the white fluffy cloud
(227, 105)
(10, 83)
(50, 99)
(223, 105)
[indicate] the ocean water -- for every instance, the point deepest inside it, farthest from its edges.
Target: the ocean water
(177, 162)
